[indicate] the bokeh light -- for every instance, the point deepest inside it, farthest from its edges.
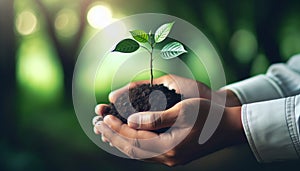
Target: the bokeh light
(260, 65)
(290, 36)
(243, 45)
(66, 22)
(37, 69)
(26, 22)
(99, 16)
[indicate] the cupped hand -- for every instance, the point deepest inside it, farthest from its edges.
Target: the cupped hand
(187, 87)
(180, 144)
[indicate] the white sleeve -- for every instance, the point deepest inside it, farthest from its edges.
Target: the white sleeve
(281, 80)
(272, 128)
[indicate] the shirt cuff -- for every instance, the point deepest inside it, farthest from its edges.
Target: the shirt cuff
(254, 89)
(271, 129)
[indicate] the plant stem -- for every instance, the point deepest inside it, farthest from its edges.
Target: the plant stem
(151, 61)
(151, 67)
(146, 49)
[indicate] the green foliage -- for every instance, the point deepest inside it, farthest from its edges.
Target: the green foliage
(162, 32)
(140, 36)
(127, 46)
(172, 50)
(169, 51)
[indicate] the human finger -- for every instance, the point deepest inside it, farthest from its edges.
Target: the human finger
(154, 120)
(96, 131)
(146, 140)
(125, 145)
(101, 108)
(116, 93)
(123, 129)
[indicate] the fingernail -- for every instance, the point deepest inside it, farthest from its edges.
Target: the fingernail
(98, 126)
(103, 139)
(96, 119)
(134, 120)
(99, 123)
(107, 118)
(111, 95)
(97, 109)
(96, 131)
(111, 144)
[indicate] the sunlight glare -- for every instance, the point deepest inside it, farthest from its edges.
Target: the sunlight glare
(38, 69)
(99, 16)
(26, 23)
(66, 23)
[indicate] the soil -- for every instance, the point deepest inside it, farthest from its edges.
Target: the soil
(143, 98)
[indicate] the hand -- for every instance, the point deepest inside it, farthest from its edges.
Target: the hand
(187, 87)
(180, 144)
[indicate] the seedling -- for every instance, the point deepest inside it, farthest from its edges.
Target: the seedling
(148, 41)
(137, 99)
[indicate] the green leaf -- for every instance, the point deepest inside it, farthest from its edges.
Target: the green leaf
(172, 50)
(126, 46)
(140, 36)
(162, 32)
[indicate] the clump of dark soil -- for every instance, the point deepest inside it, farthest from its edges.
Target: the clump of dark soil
(143, 98)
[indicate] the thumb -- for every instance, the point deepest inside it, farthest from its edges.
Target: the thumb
(152, 120)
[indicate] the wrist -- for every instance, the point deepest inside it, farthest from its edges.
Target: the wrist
(231, 98)
(234, 126)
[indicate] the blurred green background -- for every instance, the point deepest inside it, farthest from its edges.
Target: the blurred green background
(40, 41)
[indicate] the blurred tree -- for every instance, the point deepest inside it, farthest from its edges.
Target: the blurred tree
(268, 17)
(263, 18)
(67, 52)
(217, 19)
(7, 71)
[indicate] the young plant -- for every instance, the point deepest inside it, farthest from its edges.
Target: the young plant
(141, 38)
